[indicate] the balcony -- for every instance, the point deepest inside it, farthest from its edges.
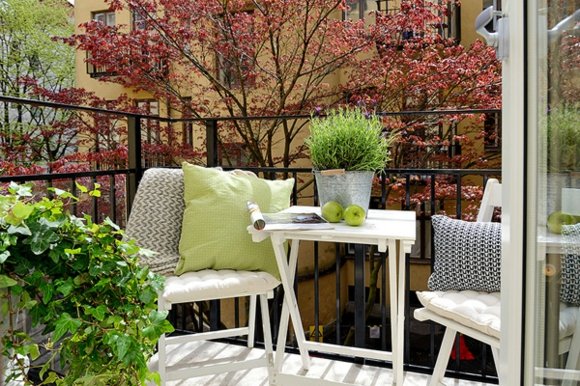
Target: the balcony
(333, 280)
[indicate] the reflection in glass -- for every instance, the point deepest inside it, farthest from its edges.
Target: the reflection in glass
(558, 241)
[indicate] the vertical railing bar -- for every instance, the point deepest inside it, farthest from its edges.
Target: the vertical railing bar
(134, 158)
(338, 293)
(316, 295)
(211, 142)
(237, 312)
(74, 192)
(95, 204)
(483, 360)
(383, 179)
(407, 191)
(384, 330)
(200, 307)
(359, 295)
(113, 199)
(458, 196)
(214, 314)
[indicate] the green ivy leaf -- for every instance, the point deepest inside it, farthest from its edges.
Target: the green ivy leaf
(4, 256)
(52, 376)
(65, 324)
(19, 229)
(20, 190)
(81, 188)
(98, 312)
(6, 282)
(21, 210)
(66, 288)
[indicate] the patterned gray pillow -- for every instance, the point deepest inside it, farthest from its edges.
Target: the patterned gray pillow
(570, 289)
(467, 255)
(156, 217)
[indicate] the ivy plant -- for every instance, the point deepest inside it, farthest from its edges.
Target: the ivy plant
(83, 283)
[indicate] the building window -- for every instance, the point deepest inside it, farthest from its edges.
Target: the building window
(96, 71)
(139, 20)
(150, 126)
(108, 19)
(235, 66)
(492, 129)
(358, 9)
(448, 27)
(105, 17)
(187, 126)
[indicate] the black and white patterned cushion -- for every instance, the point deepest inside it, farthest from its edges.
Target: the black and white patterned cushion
(570, 289)
(156, 217)
(467, 255)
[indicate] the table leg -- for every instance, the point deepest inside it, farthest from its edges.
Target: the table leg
(401, 314)
(290, 304)
(394, 309)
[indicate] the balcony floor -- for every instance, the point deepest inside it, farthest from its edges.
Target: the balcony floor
(336, 372)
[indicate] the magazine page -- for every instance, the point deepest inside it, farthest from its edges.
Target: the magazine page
(284, 220)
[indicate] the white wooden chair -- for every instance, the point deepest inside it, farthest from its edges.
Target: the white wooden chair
(155, 222)
(477, 314)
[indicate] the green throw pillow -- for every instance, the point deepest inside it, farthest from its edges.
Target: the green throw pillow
(214, 233)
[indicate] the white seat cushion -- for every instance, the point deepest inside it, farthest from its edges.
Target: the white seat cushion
(481, 310)
(211, 284)
(477, 310)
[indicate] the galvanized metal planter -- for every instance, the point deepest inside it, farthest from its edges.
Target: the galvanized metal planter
(350, 187)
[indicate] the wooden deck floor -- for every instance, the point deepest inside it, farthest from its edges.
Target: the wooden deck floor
(322, 371)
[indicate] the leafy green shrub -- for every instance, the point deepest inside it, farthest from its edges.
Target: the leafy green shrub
(348, 139)
(564, 138)
(82, 281)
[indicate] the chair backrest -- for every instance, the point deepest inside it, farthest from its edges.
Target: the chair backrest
(156, 217)
(491, 199)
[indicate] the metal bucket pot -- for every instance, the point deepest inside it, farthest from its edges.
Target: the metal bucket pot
(348, 188)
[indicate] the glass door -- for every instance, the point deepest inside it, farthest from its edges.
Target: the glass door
(552, 193)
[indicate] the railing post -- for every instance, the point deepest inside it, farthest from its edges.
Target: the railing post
(211, 142)
(135, 157)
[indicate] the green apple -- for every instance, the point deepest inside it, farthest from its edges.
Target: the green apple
(332, 211)
(557, 219)
(354, 215)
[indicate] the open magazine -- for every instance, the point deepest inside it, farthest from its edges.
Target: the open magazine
(285, 220)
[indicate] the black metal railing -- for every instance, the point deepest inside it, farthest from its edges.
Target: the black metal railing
(408, 189)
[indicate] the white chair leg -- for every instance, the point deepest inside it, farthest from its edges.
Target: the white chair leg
(252, 321)
(495, 353)
(161, 349)
(267, 338)
(161, 359)
(443, 357)
(574, 353)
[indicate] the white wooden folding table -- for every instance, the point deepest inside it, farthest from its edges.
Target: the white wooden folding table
(390, 230)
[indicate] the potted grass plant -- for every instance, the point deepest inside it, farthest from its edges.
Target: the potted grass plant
(347, 148)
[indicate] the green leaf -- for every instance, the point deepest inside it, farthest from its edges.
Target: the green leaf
(98, 312)
(20, 190)
(6, 282)
(81, 188)
(63, 194)
(52, 376)
(65, 324)
(22, 210)
(4, 256)
(19, 229)
(66, 287)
